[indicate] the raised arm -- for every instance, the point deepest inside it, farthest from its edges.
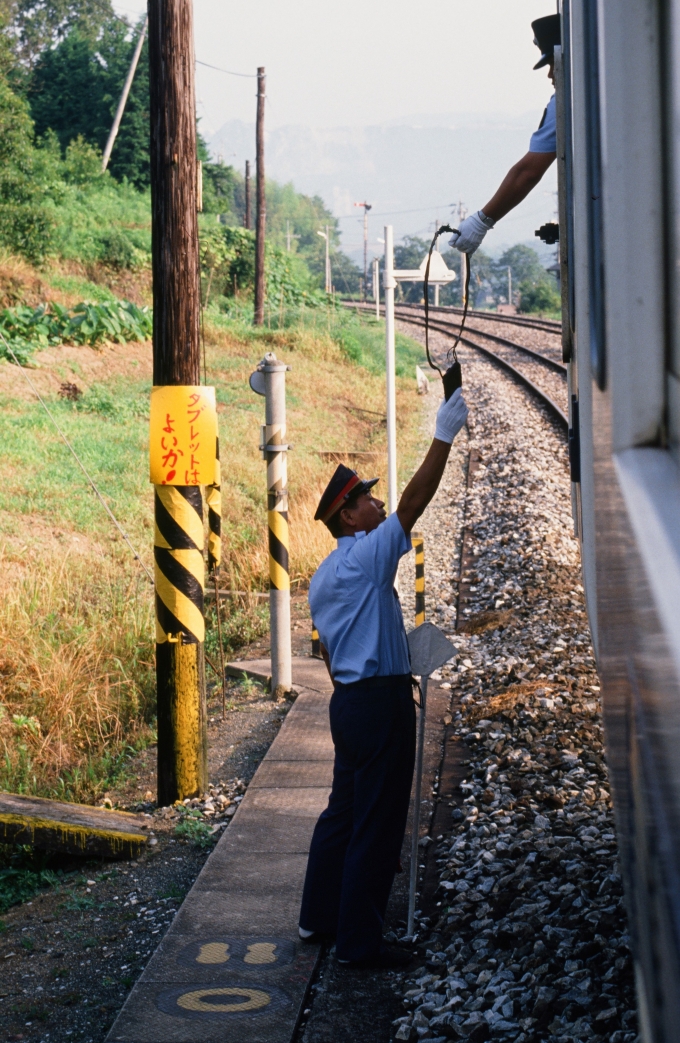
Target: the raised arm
(425, 482)
(518, 183)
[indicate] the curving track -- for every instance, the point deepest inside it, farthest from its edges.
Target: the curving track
(537, 366)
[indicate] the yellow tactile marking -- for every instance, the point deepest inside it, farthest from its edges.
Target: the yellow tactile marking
(260, 952)
(253, 999)
(213, 952)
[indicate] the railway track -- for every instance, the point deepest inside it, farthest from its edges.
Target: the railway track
(548, 325)
(541, 374)
(536, 366)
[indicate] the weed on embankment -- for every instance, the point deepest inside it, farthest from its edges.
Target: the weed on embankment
(77, 684)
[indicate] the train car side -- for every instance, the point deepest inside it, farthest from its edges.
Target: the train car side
(623, 202)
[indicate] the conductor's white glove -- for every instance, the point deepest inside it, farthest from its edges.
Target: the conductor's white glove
(471, 232)
(451, 416)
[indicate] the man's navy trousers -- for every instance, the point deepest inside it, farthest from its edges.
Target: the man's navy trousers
(357, 840)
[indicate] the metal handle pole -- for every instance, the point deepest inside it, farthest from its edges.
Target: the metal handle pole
(277, 517)
(413, 883)
(390, 284)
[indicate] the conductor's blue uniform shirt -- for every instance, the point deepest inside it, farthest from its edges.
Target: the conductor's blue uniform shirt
(355, 607)
(545, 138)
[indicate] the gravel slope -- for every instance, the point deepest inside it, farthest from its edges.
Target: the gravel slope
(531, 943)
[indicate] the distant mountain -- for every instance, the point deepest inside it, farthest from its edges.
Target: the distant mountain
(421, 165)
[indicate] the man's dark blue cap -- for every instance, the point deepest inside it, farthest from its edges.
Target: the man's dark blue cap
(344, 485)
(547, 36)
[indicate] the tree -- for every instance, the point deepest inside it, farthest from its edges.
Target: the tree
(541, 297)
(74, 91)
(35, 26)
(25, 225)
(408, 254)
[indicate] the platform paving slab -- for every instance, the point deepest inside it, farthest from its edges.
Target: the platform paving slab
(308, 672)
(231, 967)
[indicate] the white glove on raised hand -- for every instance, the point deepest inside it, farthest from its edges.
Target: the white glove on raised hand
(451, 416)
(471, 232)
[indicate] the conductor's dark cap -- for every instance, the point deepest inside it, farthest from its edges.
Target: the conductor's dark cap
(546, 37)
(344, 485)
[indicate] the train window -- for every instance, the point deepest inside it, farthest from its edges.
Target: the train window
(595, 252)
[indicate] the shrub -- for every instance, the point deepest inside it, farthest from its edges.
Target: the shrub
(544, 296)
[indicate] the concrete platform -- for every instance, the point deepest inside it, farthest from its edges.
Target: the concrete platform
(231, 967)
(74, 829)
(306, 672)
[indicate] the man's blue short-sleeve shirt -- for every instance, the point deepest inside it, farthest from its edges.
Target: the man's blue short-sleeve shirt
(545, 138)
(355, 607)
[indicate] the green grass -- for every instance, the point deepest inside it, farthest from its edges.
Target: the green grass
(108, 429)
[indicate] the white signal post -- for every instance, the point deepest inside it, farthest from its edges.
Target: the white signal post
(326, 235)
(389, 284)
(376, 286)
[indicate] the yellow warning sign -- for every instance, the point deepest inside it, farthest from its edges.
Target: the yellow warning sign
(183, 435)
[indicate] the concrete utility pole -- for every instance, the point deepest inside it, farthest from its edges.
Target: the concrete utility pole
(462, 214)
(247, 220)
(509, 285)
(327, 278)
(269, 379)
(261, 216)
(180, 631)
(289, 237)
(367, 207)
(376, 286)
(389, 283)
(113, 134)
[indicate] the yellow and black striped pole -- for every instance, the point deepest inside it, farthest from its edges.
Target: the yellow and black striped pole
(270, 380)
(213, 498)
(180, 633)
(316, 642)
(419, 547)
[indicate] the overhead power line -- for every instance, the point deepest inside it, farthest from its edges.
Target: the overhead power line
(391, 213)
(229, 72)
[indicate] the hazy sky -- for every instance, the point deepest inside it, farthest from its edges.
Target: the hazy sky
(365, 61)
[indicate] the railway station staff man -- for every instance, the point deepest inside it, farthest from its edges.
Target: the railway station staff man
(357, 840)
(525, 175)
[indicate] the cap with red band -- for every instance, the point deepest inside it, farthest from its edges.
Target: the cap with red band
(344, 485)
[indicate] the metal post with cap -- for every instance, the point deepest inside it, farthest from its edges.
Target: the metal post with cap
(389, 284)
(269, 379)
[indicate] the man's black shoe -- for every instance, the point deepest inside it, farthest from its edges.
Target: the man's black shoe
(388, 959)
(315, 938)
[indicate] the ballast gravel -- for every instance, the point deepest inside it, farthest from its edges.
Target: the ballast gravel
(530, 942)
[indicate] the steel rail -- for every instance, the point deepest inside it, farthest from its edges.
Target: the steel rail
(538, 356)
(548, 325)
(517, 374)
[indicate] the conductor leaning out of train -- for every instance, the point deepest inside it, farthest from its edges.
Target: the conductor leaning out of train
(355, 848)
(525, 175)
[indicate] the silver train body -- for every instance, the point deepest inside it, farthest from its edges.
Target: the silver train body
(618, 103)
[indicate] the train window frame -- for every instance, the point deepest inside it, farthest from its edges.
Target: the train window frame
(671, 96)
(595, 221)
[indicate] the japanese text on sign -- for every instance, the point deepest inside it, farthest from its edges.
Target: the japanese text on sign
(183, 435)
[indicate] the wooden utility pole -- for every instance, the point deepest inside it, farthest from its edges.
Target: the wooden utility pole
(261, 215)
(247, 221)
(182, 732)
